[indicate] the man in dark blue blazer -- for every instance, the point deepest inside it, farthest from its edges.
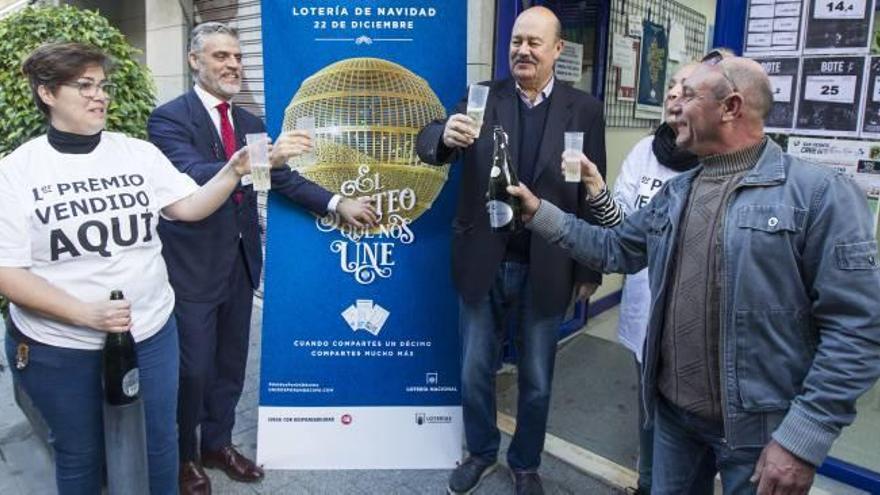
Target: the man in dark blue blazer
(500, 275)
(214, 265)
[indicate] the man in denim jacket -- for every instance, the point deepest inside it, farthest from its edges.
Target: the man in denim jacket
(764, 327)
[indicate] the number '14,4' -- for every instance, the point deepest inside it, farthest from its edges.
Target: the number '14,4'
(839, 6)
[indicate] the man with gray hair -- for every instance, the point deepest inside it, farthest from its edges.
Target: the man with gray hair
(764, 328)
(214, 265)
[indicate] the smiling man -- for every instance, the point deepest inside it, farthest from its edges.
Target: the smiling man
(215, 265)
(518, 276)
(764, 328)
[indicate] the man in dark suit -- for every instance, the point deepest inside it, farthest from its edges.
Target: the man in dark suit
(214, 265)
(519, 275)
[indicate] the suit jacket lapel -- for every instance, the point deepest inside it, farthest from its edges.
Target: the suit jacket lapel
(507, 115)
(201, 120)
(558, 116)
(238, 126)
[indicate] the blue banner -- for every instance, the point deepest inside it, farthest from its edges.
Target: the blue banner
(360, 339)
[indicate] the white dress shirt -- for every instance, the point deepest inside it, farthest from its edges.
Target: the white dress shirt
(210, 102)
(542, 95)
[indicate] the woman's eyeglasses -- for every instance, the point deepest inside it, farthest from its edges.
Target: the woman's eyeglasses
(89, 89)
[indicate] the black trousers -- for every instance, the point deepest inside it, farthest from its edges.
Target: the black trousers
(213, 355)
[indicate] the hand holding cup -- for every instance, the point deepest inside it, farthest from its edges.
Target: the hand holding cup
(459, 131)
(587, 170)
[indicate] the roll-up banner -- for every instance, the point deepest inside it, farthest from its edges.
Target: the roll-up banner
(360, 353)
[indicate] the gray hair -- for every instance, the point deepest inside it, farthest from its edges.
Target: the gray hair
(751, 81)
(205, 29)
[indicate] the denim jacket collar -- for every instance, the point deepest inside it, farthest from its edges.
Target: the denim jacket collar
(769, 170)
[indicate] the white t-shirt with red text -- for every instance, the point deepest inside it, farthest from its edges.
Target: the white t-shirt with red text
(87, 224)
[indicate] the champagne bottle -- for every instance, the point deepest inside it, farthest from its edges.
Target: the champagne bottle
(505, 212)
(125, 432)
(121, 375)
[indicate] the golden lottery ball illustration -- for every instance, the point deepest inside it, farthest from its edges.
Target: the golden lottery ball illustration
(367, 114)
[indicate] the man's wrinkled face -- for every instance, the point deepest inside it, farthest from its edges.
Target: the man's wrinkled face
(696, 115)
(534, 49)
(217, 66)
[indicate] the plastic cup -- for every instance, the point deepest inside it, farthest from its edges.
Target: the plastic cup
(307, 124)
(574, 144)
(258, 153)
(476, 106)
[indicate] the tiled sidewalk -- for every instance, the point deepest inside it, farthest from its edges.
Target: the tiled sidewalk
(25, 466)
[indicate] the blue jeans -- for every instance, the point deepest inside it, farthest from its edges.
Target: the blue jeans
(65, 387)
(683, 443)
(482, 327)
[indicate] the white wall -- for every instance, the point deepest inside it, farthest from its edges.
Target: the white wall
(481, 20)
(166, 35)
(8, 7)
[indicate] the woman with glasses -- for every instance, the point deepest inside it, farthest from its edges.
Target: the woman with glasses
(78, 214)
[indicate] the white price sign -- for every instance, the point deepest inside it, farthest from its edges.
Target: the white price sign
(839, 9)
(760, 25)
(785, 38)
(635, 26)
(759, 39)
(781, 88)
(788, 9)
(761, 11)
(833, 89)
(786, 24)
(570, 62)
(876, 96)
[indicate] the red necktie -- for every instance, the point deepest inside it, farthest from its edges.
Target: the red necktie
(226, 132)
(228, 137)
